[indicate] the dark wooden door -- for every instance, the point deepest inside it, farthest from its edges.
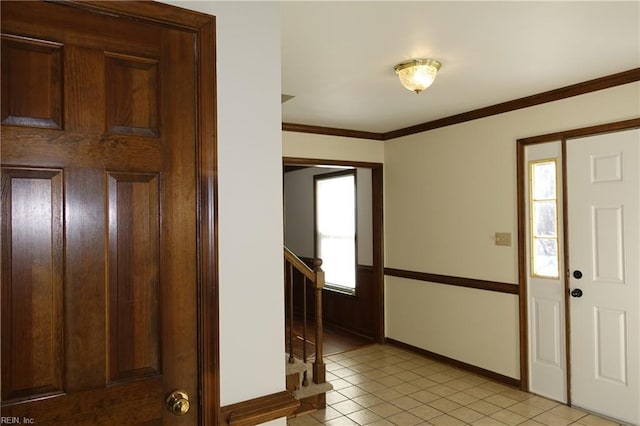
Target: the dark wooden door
(99, 258)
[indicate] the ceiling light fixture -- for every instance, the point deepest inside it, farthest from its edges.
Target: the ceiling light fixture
(417, 74)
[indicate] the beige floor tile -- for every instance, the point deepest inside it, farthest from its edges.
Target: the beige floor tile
(593, 420)
(446, 420)
(444, 405)
(333, 397)
(392, 369)
(364, 417)
(357, 379)
(423, 383)
(530, 422)
(487, 421)
(404, 419)
(368, 400)
(406, 388)
(459, 385)
(407, 376)
(496, 387)
(474, 380)
(353, 391)
(327, 413)
(462, 398)
(343, 373)
(551, 419)
(517, 395)
(442, 390)
(406, 403)
(440, 378)
(341, 421)
(540, 402)
(525, 410)
(568, 413)
(382, 422)
(465, 414)
(340, 384)
(347, 407)
(484, 407)
(372, 386)
(303, 421)
(425, 412)
(501, 401)
(479, 392)
(385, 409)
(508, 417)
(424, 396)
(387, 394)
(390, 381)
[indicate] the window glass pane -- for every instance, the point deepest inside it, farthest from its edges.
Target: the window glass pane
(336, 229)
(545, 257)
(544, 219)
(544, 181)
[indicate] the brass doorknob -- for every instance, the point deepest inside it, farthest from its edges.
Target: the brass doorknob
(178, 402)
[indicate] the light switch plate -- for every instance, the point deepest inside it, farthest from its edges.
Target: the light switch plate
(503, 239)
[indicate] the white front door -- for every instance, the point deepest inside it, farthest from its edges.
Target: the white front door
(603, 203)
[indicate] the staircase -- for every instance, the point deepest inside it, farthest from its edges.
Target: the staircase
(303, 301)
(311, 395)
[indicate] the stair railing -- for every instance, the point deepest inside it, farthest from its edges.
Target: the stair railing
(315, 279)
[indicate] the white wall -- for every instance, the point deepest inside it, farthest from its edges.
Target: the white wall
(250, 175)
(299, 231)
(446, 192)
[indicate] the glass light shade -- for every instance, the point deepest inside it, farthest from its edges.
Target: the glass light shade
(418, 74)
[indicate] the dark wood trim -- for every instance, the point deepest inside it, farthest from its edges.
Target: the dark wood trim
(331, 131)
(585, 131)
(510, 381)
(310, 162)
(522, 268)
(204, 28)
(561, 136)
(259, 410)
(377, 202)
(594, 85)
(455, 281)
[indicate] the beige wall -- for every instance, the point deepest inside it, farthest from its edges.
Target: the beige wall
(305, 145)
(447, 191)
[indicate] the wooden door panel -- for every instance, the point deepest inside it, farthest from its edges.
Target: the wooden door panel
(134, 280)
(82, 28)
(132, 95)
(31, 82)
(32, 318)
(116, 327)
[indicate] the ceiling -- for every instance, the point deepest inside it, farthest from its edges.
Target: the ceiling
(338, 57)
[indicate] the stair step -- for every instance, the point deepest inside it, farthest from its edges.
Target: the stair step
(312, 389)
(297, 366)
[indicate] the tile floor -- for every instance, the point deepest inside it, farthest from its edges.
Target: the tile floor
(385, 385)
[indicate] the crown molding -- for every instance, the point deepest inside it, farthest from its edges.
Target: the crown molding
(594, 85)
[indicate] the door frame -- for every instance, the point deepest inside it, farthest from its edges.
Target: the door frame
(204, 30)
(377, 237)
(522, 236)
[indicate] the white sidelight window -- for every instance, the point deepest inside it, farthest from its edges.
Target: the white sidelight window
(544, 219)
(335, 221)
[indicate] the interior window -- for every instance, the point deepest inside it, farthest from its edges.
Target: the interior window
(335, 217)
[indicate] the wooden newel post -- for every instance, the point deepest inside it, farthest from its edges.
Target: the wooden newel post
(319, 370)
